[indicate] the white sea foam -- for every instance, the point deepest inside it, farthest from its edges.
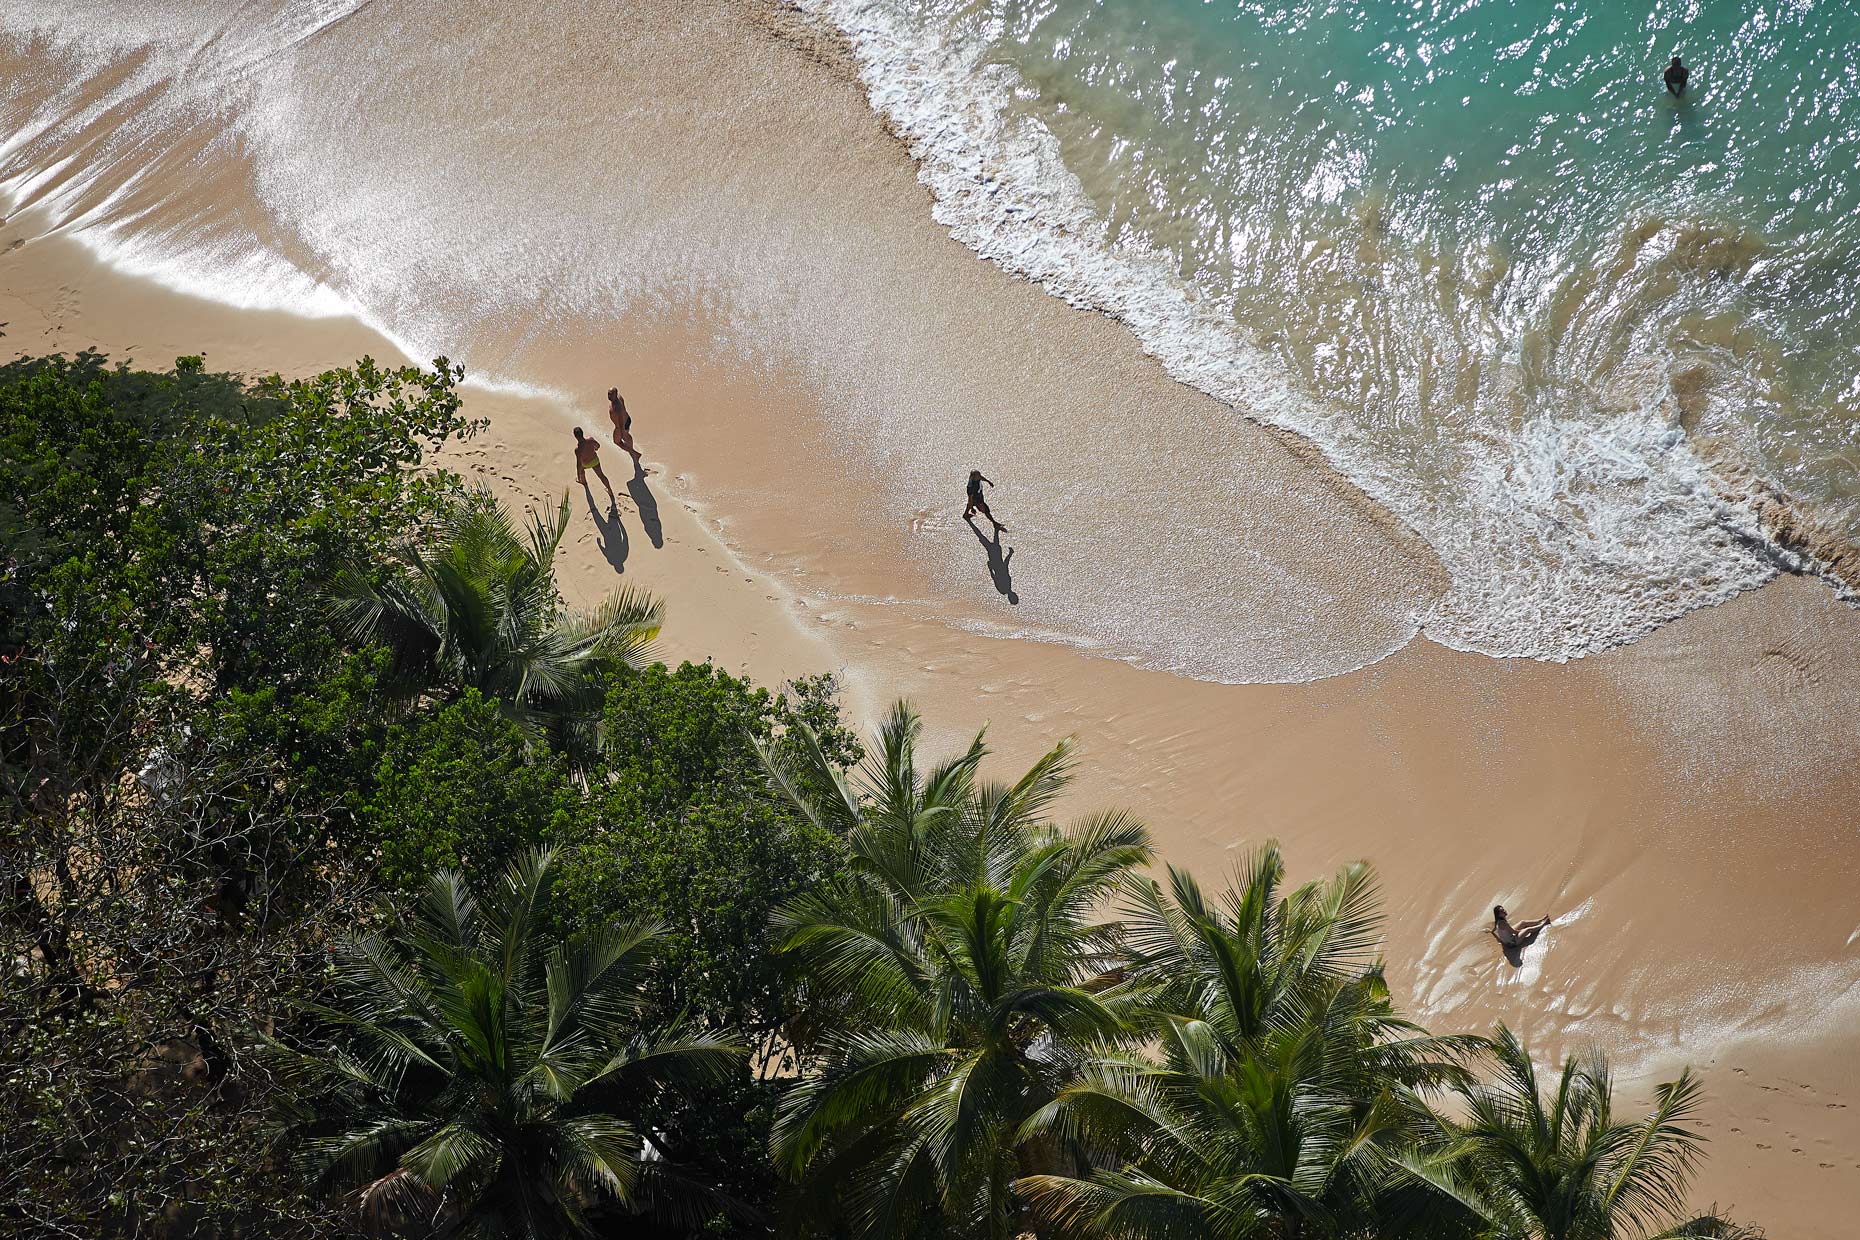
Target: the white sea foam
(1582, 530)
(228, 268)
(1577, 530)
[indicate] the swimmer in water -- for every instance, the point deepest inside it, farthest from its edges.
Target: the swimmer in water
(1676, 75)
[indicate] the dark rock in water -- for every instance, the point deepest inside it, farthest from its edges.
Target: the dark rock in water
(1810, 545)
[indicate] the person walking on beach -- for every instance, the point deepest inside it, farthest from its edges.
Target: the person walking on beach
(623, 426)
(977, 503)
(1676, 75)
(1512, 940)
(587, 456)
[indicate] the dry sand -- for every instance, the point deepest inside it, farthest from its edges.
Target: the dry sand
(1685, 805)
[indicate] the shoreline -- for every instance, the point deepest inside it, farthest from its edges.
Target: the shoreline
(860, 350)
(1645, 784)
(1780, 533)
(1690, 794)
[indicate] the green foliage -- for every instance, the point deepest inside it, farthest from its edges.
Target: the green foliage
(458, 787)
(966, 978)
(180, 737)
(1556, 1164)
(1286, 1090)
(161, 890)
(501, 1083)
(201, 513)
(680, 827)
(326, 731)
(479, 610)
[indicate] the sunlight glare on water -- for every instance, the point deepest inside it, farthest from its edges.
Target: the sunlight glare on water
(1518, 282)
(1521, 297)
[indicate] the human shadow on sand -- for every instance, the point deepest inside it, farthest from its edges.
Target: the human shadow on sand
(998, 569)
(610, 534)
(648, 506)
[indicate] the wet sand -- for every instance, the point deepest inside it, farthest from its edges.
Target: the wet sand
(1685, 805)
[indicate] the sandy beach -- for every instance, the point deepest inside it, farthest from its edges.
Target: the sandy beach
(1684, 805)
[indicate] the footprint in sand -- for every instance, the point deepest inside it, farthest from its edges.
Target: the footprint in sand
(1762, 1146)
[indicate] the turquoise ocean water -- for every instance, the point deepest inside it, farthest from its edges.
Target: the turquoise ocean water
(1475, 250)
(1494, 163)
(1549, 317)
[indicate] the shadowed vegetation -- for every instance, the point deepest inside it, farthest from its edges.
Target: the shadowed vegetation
(350, 883)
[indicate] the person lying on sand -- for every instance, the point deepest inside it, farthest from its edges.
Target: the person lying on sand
(977, 503)
(623, 426)
(587, 456)
(1514, 939)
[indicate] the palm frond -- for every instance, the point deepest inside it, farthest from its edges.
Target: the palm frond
(1653, 1160)
(364, 1152)
(1124, 1204)
(679, 1054)
(594, 976)
(460, 1058)
(841, 814)
(453, 1150)
(864, 1071)
(601, 1154)
(513, 907)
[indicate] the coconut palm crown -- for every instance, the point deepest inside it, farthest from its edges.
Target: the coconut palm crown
(960, 974)
(1281, 1088)
(479, 1079)
(1557, 1164)
(479, 609)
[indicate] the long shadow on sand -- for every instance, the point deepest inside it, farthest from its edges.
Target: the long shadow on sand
(998, 569)
(648, 506)
(610, 534)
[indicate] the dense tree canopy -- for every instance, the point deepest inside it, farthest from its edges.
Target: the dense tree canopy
(1284, 1091)
(178, 726)
(969, 982)
(349, 883)
(473, 1074)
(209, 778)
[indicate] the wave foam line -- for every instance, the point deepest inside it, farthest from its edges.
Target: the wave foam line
(1575, 535)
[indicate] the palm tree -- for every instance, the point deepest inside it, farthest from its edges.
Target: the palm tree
(1285, 1087)
(1560, 1166)
(957, 976)
(480, 1080)
(480, 610)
